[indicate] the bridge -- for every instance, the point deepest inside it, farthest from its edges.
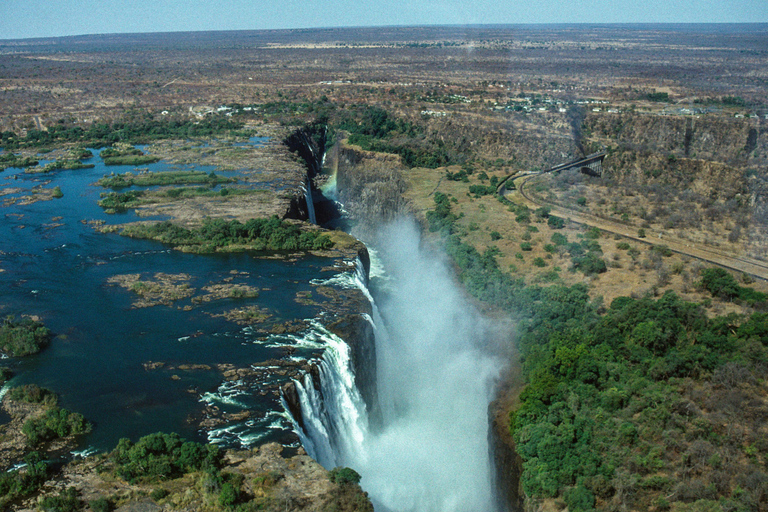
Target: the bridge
(590, 164)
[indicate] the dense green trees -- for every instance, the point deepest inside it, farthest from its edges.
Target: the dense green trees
(374, 129)
(601, 392)
(270, 234)
(53, 424)
(161, 456)
(22, 337)
(20, 483)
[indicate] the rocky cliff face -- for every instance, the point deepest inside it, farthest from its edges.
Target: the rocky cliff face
(369, 185)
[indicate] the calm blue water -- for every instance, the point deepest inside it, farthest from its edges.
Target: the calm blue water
(57, 267)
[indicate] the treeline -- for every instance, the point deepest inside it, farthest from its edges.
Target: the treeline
(374, 129)
(133, 131)
(272, 234)
(148, 179)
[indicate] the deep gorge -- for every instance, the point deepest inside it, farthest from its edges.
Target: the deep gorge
(417, 423)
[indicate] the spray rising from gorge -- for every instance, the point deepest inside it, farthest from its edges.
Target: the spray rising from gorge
(429, 450)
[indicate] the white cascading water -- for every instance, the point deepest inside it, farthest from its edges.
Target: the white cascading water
(435, 380)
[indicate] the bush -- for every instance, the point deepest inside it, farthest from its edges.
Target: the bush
(555, 222)
(100, 505)
(67, 501)
(158, 494)
(33, 394)
(22, 337)
(53, 424)
(559, 239)
(159, 456)
(579, 499)
(342, 476)
(526, 246)
(17, 484)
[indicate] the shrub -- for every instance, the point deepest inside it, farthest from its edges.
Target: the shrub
(101, 505)
(54, 423)
(495, 235)
(539, 262)
(158, 494)
(57, 193)
(579, 499)
(559, 239)
(17, 484)
(33, 394)
(342, 476)
(22, 337)
(67, 501)
(526, 246)
(555, 222)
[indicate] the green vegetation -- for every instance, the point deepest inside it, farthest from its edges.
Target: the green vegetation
(67, 164)
(343, 476)
(608, 407)
(12, 160)
(55, 423)
(114, 202)
(33, 394)
(140, 128)
(21, 483)
(147, 179)
(270, 234)
(68, 500)
(57, 193)
(162, 456)
(720, 283)
(120, 201)
(131, 160)
(658, 96)
(22, 337)
(374, 129)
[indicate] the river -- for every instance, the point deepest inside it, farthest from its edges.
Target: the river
(133, 371)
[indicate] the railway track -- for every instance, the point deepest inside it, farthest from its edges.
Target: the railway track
(753, 267)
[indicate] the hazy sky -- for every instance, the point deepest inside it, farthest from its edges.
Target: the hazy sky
(44, 18)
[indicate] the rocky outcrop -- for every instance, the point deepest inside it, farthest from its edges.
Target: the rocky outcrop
(271, 482)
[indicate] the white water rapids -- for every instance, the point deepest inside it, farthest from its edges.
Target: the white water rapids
(435, 380)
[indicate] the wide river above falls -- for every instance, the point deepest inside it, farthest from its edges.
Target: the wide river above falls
(137, 370)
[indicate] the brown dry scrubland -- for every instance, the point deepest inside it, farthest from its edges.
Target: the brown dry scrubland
(681, 114)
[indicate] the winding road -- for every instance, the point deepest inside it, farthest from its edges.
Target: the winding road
(753, 267)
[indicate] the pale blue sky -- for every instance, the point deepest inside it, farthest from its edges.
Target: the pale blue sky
(44, 18)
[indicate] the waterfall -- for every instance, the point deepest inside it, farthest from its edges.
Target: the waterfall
(335, 417)
(310, 201)
(435, 381)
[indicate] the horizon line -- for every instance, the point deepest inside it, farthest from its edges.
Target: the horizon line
(403, 26)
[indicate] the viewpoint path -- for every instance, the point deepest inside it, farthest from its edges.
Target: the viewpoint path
(751, 266)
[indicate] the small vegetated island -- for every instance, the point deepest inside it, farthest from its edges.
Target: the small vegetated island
(272, 234)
